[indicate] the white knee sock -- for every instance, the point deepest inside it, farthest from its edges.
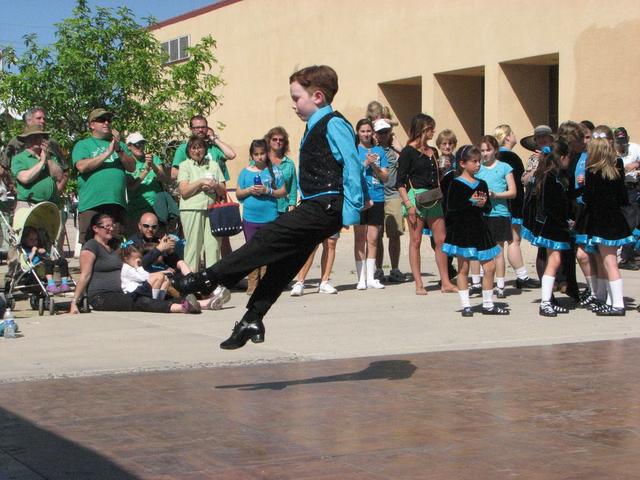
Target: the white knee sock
(591, 283)
(475, 280)
(601, 288)
(617, 298)
(521, 273)
(547, 288)
(371, 270)
(487, 298)
(464, 298)
(361, 272)
(154, 292)
(500, 282)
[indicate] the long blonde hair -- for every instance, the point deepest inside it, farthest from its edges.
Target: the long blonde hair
(602, 154)
(501, 133)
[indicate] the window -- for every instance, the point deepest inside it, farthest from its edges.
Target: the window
(176, 49)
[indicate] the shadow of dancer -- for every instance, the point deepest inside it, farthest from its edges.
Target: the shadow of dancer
(380, 370)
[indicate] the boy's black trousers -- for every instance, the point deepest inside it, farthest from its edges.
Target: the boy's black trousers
(283, 246)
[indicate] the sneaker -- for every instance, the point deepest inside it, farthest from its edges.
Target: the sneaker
(298, 289)
(495, 310)
(629, 265)
(500, 293)
(467, 312)
(475, 290)
(396, 276)
(190, 304)
(379, 274)
(64, 287)
(220, 296)
(527, 283)
(374, 284)
(361, 286)
(326, 287)
(52, 289)
(547, 310)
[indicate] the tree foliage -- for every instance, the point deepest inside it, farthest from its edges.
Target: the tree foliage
(105, 58)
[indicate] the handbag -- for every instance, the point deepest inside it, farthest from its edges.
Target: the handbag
(429, 198)
(224, 218)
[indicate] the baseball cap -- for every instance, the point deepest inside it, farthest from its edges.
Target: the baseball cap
(134, 138)
(381, 124)
(99, 112)
(620, 135)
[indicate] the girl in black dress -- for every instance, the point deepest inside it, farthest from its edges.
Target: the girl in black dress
(601, 224)
(468, 237)
(547, 222)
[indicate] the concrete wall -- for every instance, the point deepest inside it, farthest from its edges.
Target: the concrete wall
(406, 51)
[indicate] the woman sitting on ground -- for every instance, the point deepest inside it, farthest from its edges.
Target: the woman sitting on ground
(100, 269)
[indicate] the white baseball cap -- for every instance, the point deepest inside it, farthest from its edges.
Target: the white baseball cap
(381, 124)
(134, 138)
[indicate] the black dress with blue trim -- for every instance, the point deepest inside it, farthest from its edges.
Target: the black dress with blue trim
(467, 232)
(515, 204)
(546, 214)
(601, 222)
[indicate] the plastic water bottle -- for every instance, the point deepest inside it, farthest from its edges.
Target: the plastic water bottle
(9, 325)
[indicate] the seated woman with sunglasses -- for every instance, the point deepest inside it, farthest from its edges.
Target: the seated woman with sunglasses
(100, 269)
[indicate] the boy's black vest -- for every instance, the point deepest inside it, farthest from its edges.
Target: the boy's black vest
(319, 170)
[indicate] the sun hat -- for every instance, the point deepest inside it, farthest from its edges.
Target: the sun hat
(540, 131)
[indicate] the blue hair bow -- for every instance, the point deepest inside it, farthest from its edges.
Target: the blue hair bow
(546, 149)
(126, 244)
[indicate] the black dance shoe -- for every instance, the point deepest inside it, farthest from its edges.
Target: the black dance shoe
(194, 283)
(609, 311)
(243, 331)
(547, 310)
(527, 283)
(495, 310)
(466, 312)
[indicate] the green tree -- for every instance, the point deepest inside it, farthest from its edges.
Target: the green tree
(105, 58)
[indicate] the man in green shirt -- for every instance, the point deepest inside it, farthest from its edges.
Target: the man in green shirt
(101, 160)
(36, 172)
(217, 151)
(144, 183)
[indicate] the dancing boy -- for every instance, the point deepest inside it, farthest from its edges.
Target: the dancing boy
(331, 180)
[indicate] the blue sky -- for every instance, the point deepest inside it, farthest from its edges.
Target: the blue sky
(20, 17)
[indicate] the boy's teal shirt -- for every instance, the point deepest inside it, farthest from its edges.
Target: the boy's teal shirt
(341, 138)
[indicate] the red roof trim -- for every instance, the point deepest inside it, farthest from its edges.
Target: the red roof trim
(193, 13)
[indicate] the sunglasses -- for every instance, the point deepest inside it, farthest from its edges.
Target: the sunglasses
(276, 139)
(139, 145)
(146, 225)
(102, 119)
(106, 227)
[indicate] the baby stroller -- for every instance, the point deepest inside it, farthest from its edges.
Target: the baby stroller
(27, 281)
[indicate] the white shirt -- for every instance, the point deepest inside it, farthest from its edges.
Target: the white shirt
(131, 278)
(633, 155)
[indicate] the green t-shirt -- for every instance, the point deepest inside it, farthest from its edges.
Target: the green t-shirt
(141, 199)
(190, 171)
(42, 188)
(213, 153)
(104, 185)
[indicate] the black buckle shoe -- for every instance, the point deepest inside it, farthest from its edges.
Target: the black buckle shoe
(527, 283)
(466, 312)
(243, 331)
(495, 310)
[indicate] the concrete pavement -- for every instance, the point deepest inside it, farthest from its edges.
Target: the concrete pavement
(315, 326)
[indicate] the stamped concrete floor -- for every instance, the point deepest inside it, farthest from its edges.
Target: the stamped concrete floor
(543, 412)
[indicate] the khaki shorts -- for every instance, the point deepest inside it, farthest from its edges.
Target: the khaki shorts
(393, 219)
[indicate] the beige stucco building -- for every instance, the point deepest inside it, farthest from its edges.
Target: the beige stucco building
(472, 64)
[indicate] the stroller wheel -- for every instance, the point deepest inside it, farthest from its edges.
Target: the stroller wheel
(33, 301)
(41, 306)
(52, 307)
